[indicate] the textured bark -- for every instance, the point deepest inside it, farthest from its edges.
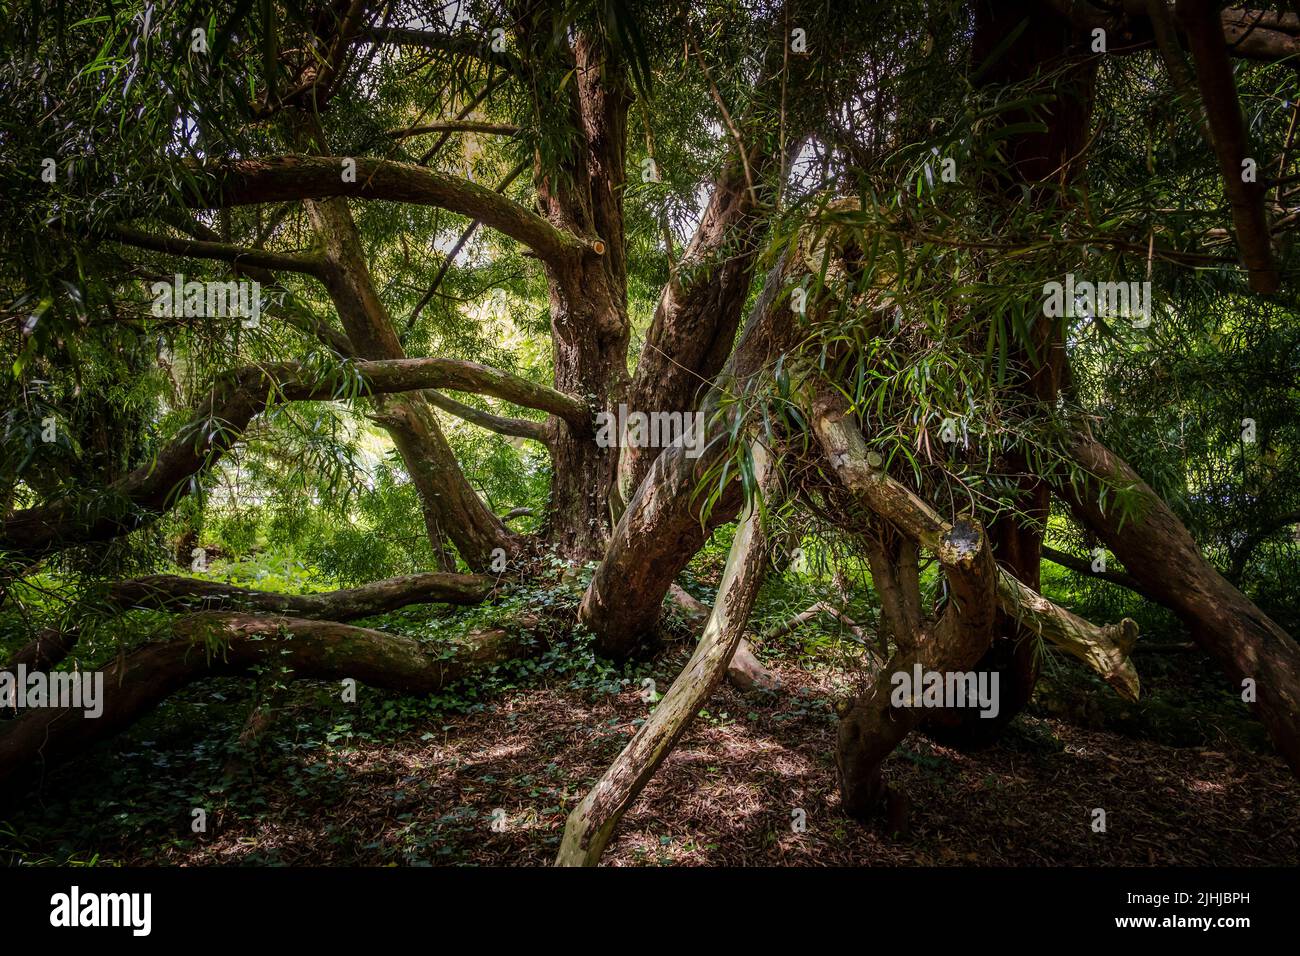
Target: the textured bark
(588, 295)
(871, 727)
(1105, 649)
(169, 592)
(1263, 35)
(324, 650)
(1158, 550)
(699, 310)
(1219, 94)
(663, 526)
(694, 326)
(591, 823)
(744, 671)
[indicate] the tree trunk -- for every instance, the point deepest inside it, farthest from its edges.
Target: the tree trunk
(662, 527)
(592, 821)
(1158, 551)
(872, 727)
(1043, 160)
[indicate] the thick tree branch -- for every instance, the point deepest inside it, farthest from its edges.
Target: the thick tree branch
(216, 644)
(280, 178)
(871, 726)
(169, 592)
(517, 427)
(232, 402)
(1223, 111)
(1261, 35)
(1157, 549)
(662, 528)
(591, 823)
(1105, 649)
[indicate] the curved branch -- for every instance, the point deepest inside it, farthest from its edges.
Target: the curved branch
(232, 402)
(227, 252)
(517, 427)
(279, 178)
(170, 592)
(1105, 649)
(136, 683)
(295, 314)
(1253, 540)
(591, 823)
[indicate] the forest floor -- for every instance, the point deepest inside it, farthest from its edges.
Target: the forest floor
(491, 784)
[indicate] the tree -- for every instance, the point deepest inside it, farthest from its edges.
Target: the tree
(903, 375)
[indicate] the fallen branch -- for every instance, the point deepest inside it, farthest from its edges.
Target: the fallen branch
(218, 644)
(169, 592)
(745, 671)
